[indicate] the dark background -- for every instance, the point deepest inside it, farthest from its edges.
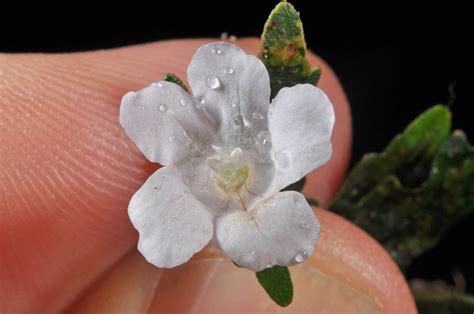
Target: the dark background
(392, 69)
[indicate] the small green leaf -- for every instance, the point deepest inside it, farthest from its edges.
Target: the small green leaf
(277, 283)
(297, 186)
(283, 50)
(170, 77)
(453, 304)
(312, 201)
(437, 297)
(410, 194)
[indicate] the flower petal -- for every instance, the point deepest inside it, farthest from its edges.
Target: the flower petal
(280, 231)
(173, 225)
(234, 87)
(300, 121)
(165, 122)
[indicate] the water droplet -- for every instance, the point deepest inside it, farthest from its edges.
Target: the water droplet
(233, 102)
(157, 84)
(300, 257)
(201, 101)
(229, 70)
(257, 116)
(224, 35)
(172, 138)
(263, 142)
(252, 252)
(213, 82)
(216, 50)
(163, 108)
(238, 120)
(183, 102)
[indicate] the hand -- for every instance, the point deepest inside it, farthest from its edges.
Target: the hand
(67, 174)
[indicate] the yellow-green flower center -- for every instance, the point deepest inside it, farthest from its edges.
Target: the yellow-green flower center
(232, 174)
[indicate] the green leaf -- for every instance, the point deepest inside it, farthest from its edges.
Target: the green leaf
(277, 283)
(437, 297)
(170, 77)
(297, 186)
(452, 304)
(410, 194)
(312, 201)
(283, 50)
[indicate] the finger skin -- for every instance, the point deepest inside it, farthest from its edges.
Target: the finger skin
(68, 170)
(348, 273)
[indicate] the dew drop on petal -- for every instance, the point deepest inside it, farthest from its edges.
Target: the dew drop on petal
(216, 50)
(213, 82)
(229, 70)
(233, 102)
(257, 116)
(183, 102)
(238, 120)
(252, 252)
(172, 138)
(263, 142)
(163, 108)
(300, 257)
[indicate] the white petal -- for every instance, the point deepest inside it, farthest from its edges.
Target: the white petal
(281, 231)
(163, 121)
(197, 176)
(173, 225)
(234, 86)
(300, 121)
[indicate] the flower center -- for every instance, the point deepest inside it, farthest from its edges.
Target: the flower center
(232, 174)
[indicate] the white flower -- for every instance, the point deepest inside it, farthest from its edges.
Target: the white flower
(227, 152)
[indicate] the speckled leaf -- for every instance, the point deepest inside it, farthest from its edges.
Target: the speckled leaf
(277, 283)
(408, 195)
(283, 50)
(170, 77)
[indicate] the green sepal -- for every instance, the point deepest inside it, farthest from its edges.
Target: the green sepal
(410, 194)
(283, 50)
(277, 283)
(170, 77)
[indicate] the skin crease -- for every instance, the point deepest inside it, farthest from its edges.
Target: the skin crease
(67, 174)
